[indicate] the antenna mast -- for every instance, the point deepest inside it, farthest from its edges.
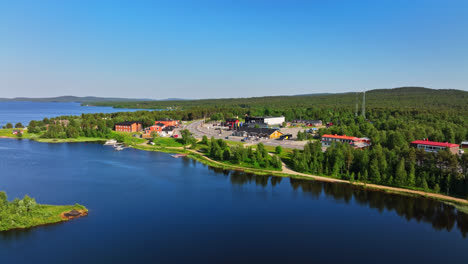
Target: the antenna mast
(357, 101)
(364, 104)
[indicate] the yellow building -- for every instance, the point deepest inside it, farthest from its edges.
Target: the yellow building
(275, 135)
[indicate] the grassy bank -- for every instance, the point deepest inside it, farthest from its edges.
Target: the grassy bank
(18, 218)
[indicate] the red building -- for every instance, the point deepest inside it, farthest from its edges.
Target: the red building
(168, 122)
(232, 123)
(328, 140)
(432, 146)
(128, 126)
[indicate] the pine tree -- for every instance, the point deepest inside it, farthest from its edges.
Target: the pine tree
(400, 174)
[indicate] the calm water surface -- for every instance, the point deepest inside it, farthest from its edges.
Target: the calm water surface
(147, 207)
(14, 112)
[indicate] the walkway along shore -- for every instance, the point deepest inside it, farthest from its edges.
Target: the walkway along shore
(290, 172)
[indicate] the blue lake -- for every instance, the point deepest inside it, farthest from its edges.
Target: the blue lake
(147, 207)
(14, 112)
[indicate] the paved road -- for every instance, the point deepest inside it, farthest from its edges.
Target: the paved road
(199, 130)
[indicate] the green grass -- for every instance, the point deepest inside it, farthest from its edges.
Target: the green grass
(69, 140)
(9, 133)
(41, 215)
(234, 143)
(167, 142)
(159, 149)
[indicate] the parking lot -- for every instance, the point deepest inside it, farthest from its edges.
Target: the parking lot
(199, 130)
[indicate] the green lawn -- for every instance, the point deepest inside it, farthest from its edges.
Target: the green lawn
(232, 143)
(66, 140)
(9, 133)
(167, 142)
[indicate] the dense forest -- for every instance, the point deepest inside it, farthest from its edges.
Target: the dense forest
(259, 157)
(393, 118)
(403, 98)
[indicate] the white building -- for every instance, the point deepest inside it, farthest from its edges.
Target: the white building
(274, 120)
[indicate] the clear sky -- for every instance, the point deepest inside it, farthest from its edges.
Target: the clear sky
(239, 48)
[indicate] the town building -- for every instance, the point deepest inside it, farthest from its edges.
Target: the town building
(464, 144)
(128, 126)
(257, 132)
(232, 123)
(328, 140)
(315, 123)
(255, 125)
(168, 131)
(432, 146)
(269, 120)
(17, 131)
(161, 129)
(64, 122)
(168, 122)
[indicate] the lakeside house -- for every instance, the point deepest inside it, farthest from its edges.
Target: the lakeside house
(17, 131)
(257, 132)
(433, 146)
(328, 140)
(128, 126)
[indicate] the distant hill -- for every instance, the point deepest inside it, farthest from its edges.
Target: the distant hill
(67, 99)
(403, 97)
(77, 99)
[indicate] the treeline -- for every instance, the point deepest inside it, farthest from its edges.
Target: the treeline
(15, 212)
(406, 97)
(218, 149)
(406, 167)
(10, 125)
(101, 125)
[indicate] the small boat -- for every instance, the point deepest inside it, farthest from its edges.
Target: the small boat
(179, 155)
(119, 148)
(110, 142)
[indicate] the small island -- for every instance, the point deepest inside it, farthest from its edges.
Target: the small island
(26, 213)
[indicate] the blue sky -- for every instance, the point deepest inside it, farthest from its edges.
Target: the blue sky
(238, 48)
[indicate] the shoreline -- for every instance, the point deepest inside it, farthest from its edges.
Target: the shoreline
(285, 172)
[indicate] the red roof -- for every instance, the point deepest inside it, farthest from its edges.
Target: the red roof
(340, 137)
(433, 143)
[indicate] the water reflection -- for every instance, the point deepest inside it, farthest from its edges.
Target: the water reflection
(441, 216)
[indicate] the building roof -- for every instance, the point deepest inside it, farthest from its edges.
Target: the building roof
(168, 128)
(433, 143)
(160, 124)
(340, 137)
(268, 131)
(127, 123)
(464, 143)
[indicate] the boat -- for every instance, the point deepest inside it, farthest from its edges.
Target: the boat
(110, 142)
(119, 148)
(179, 155)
